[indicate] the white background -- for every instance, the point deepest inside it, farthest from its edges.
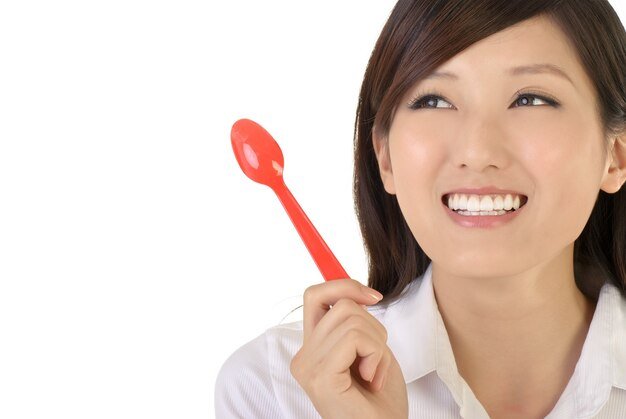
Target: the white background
(135, 256)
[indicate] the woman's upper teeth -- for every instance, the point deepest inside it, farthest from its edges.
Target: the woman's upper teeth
(491, 202)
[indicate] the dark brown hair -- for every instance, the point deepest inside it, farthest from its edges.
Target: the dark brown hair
(418, 37)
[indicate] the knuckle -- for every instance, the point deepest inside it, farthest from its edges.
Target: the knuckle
(354, 322)
(299, 369)
(380, 328)
(353, 334)
(387, 359)
(356, 284)
(359, 323)
(315, 381)
(384, 332)
(309, 294)
(344, 304)
(339, 383)
(321, 382)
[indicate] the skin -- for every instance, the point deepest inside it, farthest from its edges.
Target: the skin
(507, 295)
(344, 364)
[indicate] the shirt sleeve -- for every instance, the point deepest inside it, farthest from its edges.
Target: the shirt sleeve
(244, 388)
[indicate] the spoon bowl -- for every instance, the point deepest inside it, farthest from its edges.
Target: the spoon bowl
(257, 153)
(261, 159)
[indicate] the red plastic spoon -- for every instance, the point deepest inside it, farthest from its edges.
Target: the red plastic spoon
(261, 159)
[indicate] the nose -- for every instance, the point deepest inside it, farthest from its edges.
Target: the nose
(481, 143)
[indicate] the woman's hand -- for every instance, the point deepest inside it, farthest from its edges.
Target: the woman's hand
(345, 365)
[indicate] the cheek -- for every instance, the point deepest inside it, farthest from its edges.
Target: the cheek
(417, 150)
(563, 165)
(416, 161)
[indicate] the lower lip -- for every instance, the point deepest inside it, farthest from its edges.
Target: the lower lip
(483, 221)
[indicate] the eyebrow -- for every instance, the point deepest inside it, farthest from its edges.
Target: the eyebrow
(514, 71)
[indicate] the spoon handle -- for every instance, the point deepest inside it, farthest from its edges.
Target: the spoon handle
(325, 260)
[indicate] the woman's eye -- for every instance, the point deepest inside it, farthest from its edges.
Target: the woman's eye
(429, 100)
(432, 101)
(525, 99)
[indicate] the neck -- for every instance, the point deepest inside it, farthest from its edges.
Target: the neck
(514, 337)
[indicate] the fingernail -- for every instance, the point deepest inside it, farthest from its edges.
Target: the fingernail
(373, 293)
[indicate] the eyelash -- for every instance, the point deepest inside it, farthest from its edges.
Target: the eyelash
(423, 97)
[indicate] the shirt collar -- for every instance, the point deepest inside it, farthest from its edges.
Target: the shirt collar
(602, 362)
(411, 328)
(618, 341)
(420, 343)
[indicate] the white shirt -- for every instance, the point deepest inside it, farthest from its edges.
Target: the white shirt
(255, 381)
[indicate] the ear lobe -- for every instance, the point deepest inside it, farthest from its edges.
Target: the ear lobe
(381, 149)
(615, 175)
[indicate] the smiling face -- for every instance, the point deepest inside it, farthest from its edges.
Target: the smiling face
(484, 129)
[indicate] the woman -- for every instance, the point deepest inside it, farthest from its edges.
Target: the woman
(489, 163)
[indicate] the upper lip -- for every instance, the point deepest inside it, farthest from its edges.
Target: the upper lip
(483, 191)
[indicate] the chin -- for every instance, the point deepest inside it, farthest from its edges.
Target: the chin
(485, 265)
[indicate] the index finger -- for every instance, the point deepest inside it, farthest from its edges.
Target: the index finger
(318, 299)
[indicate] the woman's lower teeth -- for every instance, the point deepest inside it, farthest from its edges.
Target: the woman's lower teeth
(475, 213)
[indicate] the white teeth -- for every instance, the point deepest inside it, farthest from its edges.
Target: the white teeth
(477, 203)
(471, 213)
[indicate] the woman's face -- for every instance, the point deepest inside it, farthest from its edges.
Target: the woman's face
(477, 134)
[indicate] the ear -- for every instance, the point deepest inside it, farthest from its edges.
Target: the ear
(381, 149)
(615, 170)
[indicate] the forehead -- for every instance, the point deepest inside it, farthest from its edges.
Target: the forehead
(526, 44)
